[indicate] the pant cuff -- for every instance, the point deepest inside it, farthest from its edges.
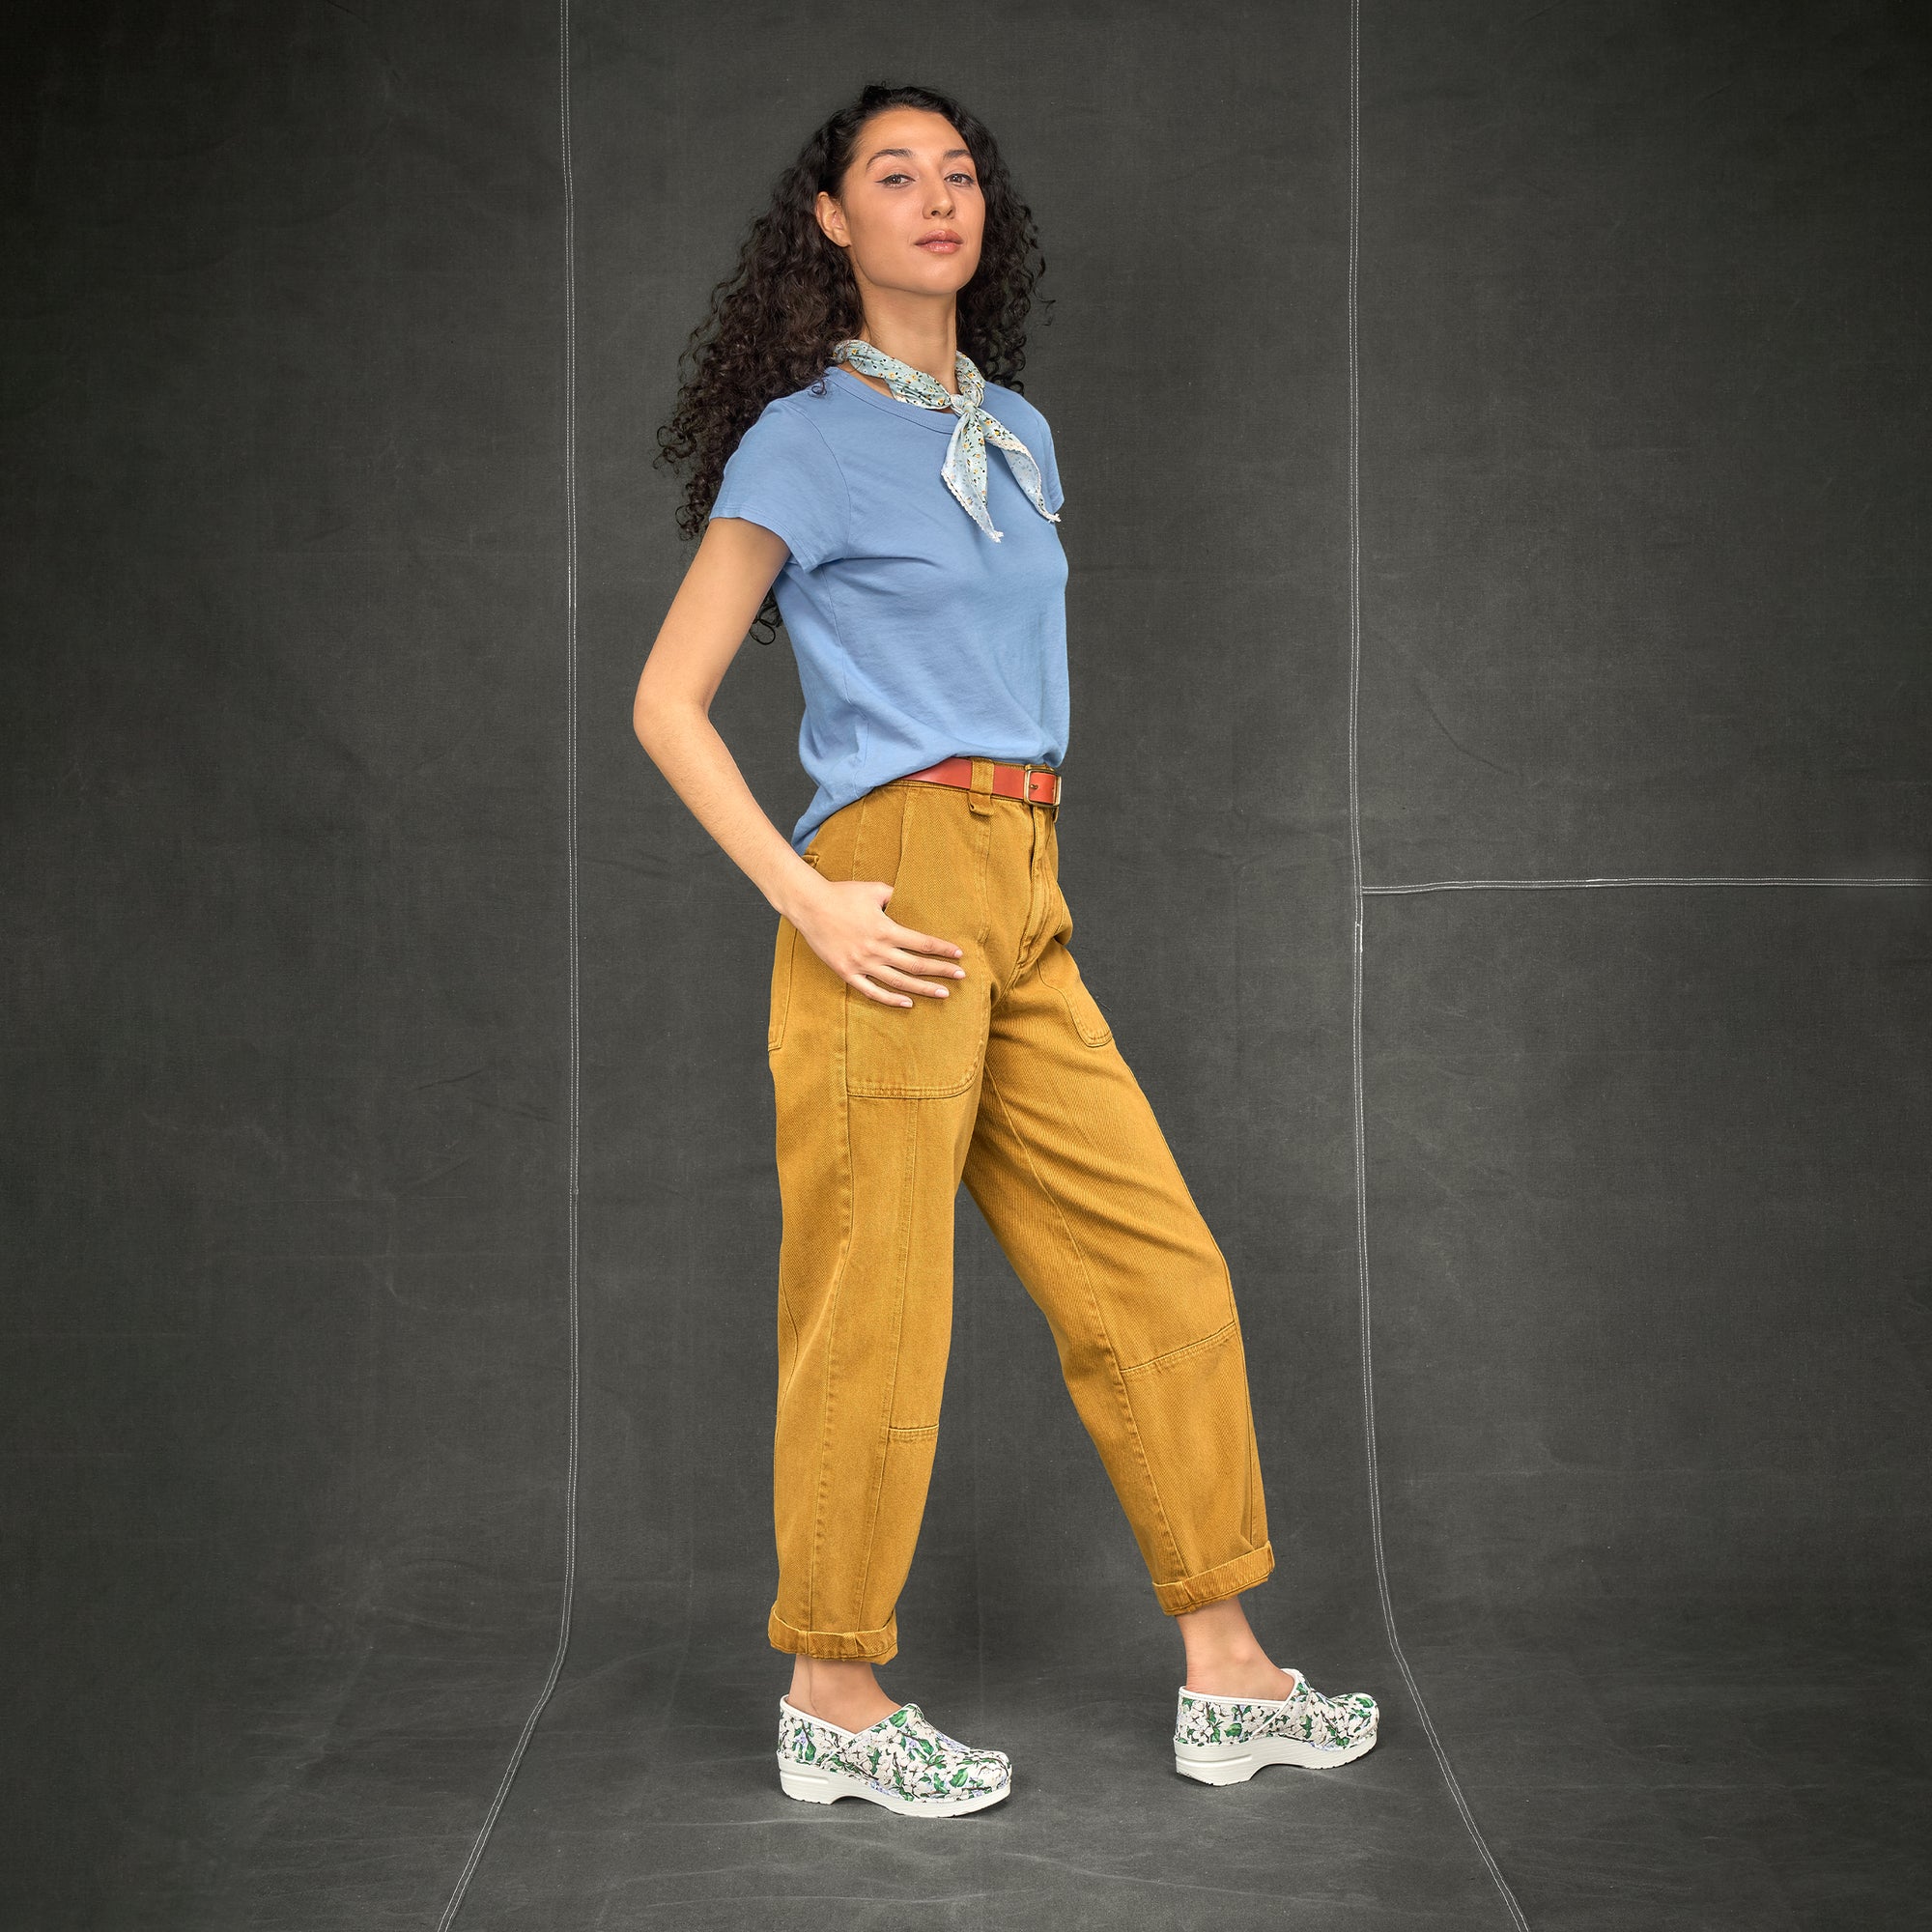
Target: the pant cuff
(872, 1646)
(1209, 1586)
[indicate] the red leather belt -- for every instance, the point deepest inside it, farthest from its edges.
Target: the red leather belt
(1037, 784)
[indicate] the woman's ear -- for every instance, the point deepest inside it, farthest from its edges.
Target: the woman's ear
(832, 219)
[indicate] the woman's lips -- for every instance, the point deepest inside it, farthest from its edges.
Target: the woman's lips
(940, 245)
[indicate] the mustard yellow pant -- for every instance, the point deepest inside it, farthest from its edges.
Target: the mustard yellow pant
(1014, 1085)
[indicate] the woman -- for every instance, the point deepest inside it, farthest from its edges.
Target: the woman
(928, 1024)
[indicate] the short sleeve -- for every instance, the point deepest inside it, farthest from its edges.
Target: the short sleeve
(782, 474)
(1050, 469)
(1033, 429)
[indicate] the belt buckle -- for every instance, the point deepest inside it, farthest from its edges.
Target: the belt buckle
(1026, 784)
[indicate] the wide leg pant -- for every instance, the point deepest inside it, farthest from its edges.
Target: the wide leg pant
(1014, 1084)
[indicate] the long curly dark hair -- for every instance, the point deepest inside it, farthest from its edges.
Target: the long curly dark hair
(774, 321)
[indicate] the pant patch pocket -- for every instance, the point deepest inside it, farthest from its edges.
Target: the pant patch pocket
(784, 956)
(930, 1050)
(1059, 970)
(933, 1048)
(775, 1031)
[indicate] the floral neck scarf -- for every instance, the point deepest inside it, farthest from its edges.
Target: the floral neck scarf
(965, 466)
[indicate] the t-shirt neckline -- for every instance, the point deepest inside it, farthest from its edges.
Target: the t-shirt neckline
(944, 421)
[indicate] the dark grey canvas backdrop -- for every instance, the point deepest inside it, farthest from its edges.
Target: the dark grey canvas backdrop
(1638, 456)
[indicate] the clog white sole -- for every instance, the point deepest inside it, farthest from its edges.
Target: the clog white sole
(1235, 1764)
(827, 1787)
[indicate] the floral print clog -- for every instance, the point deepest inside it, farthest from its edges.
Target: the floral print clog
(1227, 1740)
(902, 1762)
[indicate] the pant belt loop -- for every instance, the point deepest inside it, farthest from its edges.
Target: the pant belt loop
(981, 797)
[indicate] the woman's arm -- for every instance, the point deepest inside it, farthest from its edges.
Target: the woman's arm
(843, 921)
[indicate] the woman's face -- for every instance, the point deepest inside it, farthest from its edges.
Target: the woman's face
(909, 210)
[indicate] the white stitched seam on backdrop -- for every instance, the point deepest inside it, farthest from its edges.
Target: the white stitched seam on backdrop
(575, 1107)
(1447, 1770)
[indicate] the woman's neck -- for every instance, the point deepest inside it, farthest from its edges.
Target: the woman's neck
(921, 339)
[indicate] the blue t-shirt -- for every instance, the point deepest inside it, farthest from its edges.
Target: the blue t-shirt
(917, 636)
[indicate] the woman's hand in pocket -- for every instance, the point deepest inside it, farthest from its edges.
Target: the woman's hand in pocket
(845, 923)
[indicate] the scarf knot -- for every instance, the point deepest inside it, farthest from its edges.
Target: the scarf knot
(964, 469)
